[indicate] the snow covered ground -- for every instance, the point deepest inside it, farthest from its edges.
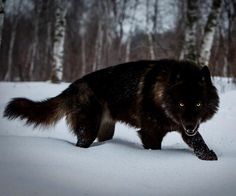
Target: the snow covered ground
(46, 162)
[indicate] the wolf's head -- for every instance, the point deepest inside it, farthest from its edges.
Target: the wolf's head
(190, 99)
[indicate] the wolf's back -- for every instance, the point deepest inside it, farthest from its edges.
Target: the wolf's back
(44, 113)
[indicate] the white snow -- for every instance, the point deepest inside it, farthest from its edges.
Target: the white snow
(46, 162)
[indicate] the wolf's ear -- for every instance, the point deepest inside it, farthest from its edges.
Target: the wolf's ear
(205, 75)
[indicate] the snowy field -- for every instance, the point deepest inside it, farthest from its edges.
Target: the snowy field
(46, 162)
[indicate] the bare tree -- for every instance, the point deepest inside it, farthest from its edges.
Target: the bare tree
(149, 29)
(92, 34)
(38, 7)
(83, 48)
(1, 19)
(131, 30)
(189, 50)
(119, 8)
(209, 32)
(16, 7)
(102, 18)
(98, 45)
(58, 41)
(227, 31)
(106, 30)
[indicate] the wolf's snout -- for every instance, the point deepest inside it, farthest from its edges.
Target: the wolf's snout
(190, 128)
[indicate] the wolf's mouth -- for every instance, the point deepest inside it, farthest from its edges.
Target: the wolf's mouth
(192, 130)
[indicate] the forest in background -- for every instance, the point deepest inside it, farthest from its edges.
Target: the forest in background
(62, 40)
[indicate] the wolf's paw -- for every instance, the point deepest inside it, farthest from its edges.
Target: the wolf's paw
(209, 156)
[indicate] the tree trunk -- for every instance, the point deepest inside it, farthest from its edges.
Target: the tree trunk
(35, 42)
(58, 42)
(189, 50)
(82, 35)
(148, 30)
(1, 20)
(98, 47)
(8, 75)
(48, 41)
(127, 49)
(209, 32)
(120, 16)
(83, 55)
(131, 30)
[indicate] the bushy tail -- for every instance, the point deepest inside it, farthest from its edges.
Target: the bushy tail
(44, 113)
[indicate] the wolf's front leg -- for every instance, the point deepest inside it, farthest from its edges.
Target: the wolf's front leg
(199, 146)
(151, 139)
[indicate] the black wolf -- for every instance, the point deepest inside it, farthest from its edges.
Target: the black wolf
(155, 96)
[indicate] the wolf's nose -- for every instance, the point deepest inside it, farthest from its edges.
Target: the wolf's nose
(190, 128)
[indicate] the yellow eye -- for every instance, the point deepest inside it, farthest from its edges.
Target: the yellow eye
(198, 104)
(181, 104)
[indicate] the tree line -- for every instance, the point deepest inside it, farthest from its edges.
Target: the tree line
(62, 40)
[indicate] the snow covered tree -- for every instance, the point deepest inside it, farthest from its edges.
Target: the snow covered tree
(189, 50)
(209, 31)
(58, 41)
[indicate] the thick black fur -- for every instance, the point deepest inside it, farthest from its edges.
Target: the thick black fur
(155, 96)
